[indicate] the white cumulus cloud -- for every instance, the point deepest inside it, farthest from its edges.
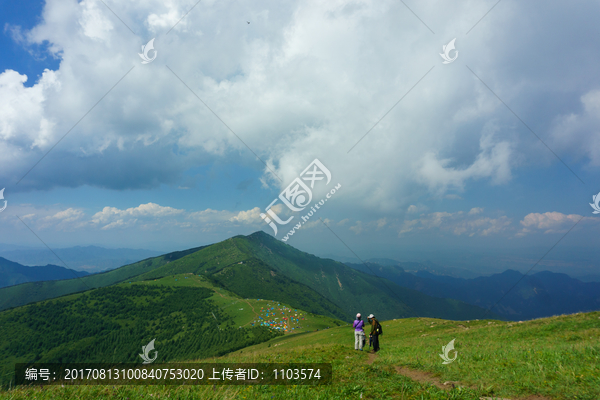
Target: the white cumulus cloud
(552, 222)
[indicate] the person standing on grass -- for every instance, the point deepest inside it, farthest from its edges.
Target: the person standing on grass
(375, 332)
(359, 333)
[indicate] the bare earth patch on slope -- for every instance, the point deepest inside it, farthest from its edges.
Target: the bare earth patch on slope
(372, 357)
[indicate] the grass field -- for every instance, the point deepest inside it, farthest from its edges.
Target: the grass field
(552, 358)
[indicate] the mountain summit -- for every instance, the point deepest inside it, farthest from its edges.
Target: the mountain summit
(260, 266)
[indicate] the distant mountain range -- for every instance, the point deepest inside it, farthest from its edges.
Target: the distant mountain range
(87, 258)
(428, 266)
(260, 266)
(541, 294)
(581, 263)
(12, 273)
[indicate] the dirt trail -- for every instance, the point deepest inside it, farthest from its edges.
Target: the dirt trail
(426, 377)
(419, 376)
(372, 357)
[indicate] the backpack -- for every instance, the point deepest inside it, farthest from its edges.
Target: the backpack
(379, 329)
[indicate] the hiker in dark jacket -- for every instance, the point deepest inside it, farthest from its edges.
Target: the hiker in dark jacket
(359, 333)
(374, 335)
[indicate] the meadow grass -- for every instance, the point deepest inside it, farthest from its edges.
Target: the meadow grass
(243, 311)
(558, 358)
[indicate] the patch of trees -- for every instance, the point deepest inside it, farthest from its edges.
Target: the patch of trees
(113, 323)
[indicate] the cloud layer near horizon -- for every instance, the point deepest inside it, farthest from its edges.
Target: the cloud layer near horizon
(154, 217)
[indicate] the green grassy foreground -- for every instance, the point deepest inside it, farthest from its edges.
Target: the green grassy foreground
(554, 358)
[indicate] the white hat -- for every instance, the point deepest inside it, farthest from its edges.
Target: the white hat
(358, 316)
(371, 316)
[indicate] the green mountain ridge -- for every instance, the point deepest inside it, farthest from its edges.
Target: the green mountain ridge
(25, 293)
(352, 291)
(355, 290)
(321, 286)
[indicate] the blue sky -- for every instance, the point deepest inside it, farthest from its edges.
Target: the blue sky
(153, 165)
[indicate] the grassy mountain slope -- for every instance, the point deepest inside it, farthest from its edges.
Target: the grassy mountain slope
(26, 293)
(354, 291)
(345, 287)
(551, 358)
(255, 279)
(247, 311)
(229, 267)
